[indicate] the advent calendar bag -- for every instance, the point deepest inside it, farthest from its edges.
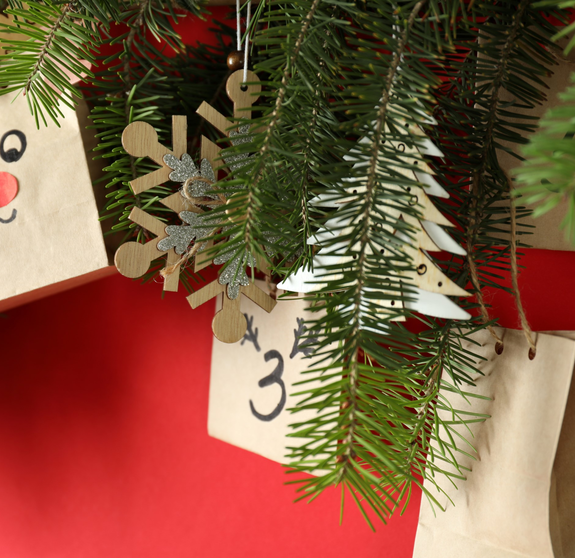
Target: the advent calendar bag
(252, 381)
(519, 497)
(50, 236)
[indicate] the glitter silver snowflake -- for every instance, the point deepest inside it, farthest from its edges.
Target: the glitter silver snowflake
(186, 172)
(239, 160)
(180, 236)
(234, 275)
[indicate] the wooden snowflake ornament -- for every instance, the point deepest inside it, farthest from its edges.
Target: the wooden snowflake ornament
(139, 139)
(229, 324)
(133, 259)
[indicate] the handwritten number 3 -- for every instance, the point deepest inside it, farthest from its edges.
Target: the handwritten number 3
(274, 378)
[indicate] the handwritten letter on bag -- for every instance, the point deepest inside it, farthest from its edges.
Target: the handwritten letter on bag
(251, 386)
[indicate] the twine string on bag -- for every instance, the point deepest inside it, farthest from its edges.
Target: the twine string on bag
(475, 276)
(527, 331)
(479, 295)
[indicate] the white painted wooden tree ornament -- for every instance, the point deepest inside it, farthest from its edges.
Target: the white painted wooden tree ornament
(429, 287)
(179, 241)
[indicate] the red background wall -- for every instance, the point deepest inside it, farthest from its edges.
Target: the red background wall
(103, 443)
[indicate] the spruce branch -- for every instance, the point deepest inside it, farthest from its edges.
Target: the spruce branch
(488, 136)
(273, 122)
(57, 38)
(366, 221)
(44, 48)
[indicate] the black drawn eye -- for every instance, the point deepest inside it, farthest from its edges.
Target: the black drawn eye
(11, 155)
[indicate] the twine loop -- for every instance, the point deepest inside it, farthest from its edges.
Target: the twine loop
(526, 328)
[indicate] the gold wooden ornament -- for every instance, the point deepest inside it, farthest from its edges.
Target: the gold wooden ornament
(229, 324)
(133, 259)
(140, 139)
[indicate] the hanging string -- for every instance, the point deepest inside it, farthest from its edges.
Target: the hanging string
(246, 41)
(527, 331)
(475, 275)
(246, 53)
(238, 26)
(479, 296)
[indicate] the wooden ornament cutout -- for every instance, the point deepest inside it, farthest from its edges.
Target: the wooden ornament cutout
(8, 188)
(209, 150)
(133, 259)
(243, 96)
(141, 140)
(229, 324)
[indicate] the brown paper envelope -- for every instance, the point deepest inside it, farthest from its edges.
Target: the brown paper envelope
(502, 510)
(55, 235)
(238, 367)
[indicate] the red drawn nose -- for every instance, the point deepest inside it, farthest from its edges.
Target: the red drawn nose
(8, 188)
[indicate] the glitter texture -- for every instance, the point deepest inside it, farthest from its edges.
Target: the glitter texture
(198, 188)
(234, 275)
(239, 160)
(186, 171)
(180, 236)
(182, 170)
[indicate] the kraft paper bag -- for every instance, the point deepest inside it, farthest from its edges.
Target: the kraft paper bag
(50, 236)
(546, 233)
(507, 507)
(562, 496)
(252, 381)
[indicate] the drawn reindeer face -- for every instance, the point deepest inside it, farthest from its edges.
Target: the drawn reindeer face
(12, 148)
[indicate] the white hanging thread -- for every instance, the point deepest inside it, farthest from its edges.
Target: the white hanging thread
(239, 34)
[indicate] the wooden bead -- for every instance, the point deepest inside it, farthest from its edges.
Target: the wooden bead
(236, 60)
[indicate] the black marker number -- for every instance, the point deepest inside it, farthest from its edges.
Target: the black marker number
(13, 154)
(274, 378)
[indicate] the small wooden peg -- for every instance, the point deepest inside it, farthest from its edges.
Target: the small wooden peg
(242, 95)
